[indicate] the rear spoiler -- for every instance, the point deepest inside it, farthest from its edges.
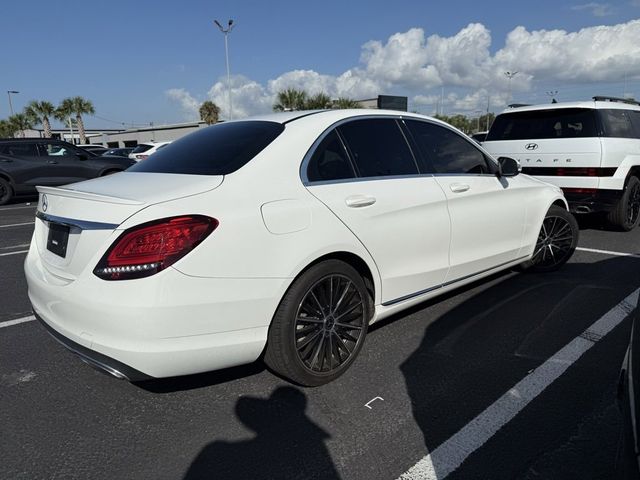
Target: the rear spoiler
(68, 192)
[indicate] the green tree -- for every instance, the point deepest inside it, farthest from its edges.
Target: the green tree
(64, 112)
(7, 129)
(209, 112)
(41, 112)
(76, 106)
(319, 101)
(290, 99)
(343, 102)
(20, 122)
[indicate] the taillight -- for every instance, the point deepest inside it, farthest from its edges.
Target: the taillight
(580, 190)
(147, 249)
(141, 157)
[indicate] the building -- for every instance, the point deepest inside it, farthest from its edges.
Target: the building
(134, 136)
(385, 102)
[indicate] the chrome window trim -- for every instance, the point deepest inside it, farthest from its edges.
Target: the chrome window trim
(72, 222)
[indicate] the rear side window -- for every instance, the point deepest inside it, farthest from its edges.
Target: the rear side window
(378, 148)
(329, 161)
(635, 120)
(555, 123)
(617, 123)
(217, 150)
(19, 149)
(447, 151)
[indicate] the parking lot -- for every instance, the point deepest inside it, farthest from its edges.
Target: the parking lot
(483, 383)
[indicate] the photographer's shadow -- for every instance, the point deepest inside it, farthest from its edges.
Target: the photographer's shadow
(287, 444)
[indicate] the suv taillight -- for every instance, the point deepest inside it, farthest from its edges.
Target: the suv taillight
(146, 249)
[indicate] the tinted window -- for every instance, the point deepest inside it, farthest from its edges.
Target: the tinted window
(58, 150)
(217, 150)
(447, 151)
(557, 123)
(635, 120)
(19, 149)
(143, 147)
(617, 123)
(378, 147)
(329, 161)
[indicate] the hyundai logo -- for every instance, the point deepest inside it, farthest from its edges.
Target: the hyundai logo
(45, 202)
(531, 146)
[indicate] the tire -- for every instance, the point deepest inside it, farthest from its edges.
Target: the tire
(320, 325)
(6, 192)
(626, 213)
(556, 241)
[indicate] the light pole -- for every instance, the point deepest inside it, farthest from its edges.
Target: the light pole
(226, 32)
(478, 112)
(9, 92)
(510, 75)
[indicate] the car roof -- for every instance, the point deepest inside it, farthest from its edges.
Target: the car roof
(592, 104)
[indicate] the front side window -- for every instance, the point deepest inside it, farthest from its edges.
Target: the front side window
(57, 150)
(617, 123)
(446, 150)
(538, 124)
(329, 161)
(378, 148)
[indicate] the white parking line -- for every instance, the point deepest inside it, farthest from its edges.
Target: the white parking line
(21, 206)
(608, 252)
(16, 224)
(15, 246)
(13, 253)
(449, 456)
(17, 321)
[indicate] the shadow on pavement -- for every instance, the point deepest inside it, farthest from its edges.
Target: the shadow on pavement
(477, 350)
(287, 444)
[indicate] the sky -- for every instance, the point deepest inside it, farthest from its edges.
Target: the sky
(156, 61)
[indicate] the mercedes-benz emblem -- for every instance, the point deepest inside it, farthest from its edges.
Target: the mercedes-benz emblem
(531, 146)
(45, 202)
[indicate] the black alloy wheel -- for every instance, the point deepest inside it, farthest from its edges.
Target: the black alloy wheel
(633, 204)
(627, 212)
(329, 324)
(320, 325)
(556, 241)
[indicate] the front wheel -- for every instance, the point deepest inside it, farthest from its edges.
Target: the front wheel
(6, 192)
(626, 213)
(320, 325)
(556, 241)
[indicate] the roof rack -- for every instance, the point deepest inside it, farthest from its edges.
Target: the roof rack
(605, 98)
(516, 105)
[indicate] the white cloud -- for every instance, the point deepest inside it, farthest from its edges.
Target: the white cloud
(188, 104)
(597, 9)
(410, 63)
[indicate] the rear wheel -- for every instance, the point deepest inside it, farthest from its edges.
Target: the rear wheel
(320, 325)
(556, 241)
(6, 192)
(626, 213)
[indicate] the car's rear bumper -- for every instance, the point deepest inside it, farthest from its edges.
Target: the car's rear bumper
(177, 325)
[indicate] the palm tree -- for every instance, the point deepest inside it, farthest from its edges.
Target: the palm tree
(345, 103)
(290, 99)
(81, 106)
(319, 101)
(40, 112)
(7, 129)
(209, 112)
(21, 122)
(64, 113)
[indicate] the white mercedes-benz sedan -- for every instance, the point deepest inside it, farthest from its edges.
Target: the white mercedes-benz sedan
(285, 235)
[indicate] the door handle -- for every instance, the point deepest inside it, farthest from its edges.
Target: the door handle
(459, 187)
(358, 201)
(52, 161)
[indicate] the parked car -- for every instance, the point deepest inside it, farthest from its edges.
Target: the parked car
(97, 149)
(25, 163)
(119, 152)
(288, 234)
(479, 136)
(590, 149)
(143, 150)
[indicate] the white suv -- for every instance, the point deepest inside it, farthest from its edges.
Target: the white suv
(143, 150)
(589, 149)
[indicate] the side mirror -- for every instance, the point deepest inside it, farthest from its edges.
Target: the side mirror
(509, 167)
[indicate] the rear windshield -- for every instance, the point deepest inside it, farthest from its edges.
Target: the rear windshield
(143, 147)
(217, 150)
(557, 123)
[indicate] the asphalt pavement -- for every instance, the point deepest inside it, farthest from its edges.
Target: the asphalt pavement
(484, 383)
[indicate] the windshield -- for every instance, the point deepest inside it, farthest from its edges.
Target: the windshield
(217, 150)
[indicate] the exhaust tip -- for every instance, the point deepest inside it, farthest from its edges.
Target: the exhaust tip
(583, 209)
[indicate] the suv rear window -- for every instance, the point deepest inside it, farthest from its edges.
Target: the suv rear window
(143, 147)
(555, 123)
(217, 150)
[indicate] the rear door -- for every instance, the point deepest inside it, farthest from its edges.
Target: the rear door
(67, 164)
(365, 172)
(487, 213)
(24, 163)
